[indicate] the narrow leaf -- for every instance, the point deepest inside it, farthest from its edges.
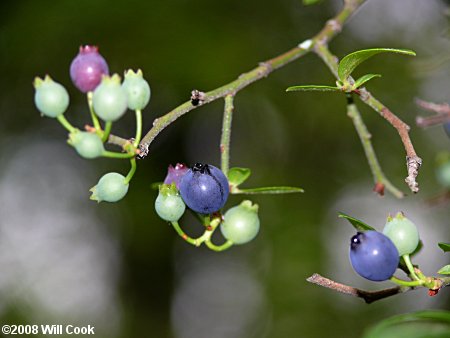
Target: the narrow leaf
(429, 324)
(444, 246)
(357, 224)
(268, 190)
(445, 270)
(353, 60)
(313, 88)
(365, 78)
(237, 176)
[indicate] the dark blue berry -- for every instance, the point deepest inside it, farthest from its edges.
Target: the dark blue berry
(373, 255)
(204, 188)
(447, 128)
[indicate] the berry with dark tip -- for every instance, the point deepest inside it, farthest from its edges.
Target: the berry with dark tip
(204, 188)
(87, 69)
(373, 255)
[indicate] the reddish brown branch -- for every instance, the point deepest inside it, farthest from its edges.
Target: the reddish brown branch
(442, 115)
(367, 296)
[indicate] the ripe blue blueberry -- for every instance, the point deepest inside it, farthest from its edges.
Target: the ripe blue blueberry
(373, 255)
(204, 188)
(447, 128)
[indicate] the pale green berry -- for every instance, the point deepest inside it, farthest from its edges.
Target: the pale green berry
(110, 188)
(443, 174)
(169, 205)
(403, 233)
(87, 145)
(50, 97)
(241, 223)
(137, 89)
(110, 99)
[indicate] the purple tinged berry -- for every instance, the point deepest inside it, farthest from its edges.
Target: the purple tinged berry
(87, 69)
(373, 255)
(447, 128)
(175, 174)
(204, 188)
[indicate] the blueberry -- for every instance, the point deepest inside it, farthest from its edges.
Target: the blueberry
(447, 128)
(110, 188)
(137, 89)
(204, 188)
(51, 98)
(373, 255)
(87, 69)
(403, 233)
(241, 223)
(110, 99)
(169, 205)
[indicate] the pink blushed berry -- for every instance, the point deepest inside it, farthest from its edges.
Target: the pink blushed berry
(87, 69)
(174, 175)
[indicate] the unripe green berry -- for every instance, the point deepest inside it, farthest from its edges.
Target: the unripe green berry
(169, 205)
(137, 89)
(241, 223)
(110, 99)
(50, 97)
(443, 174)
(110, 188)
(403, 233)
(87, 145)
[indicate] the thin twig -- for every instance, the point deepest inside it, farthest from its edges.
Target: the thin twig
(367, 296)
(442, 115)
(330, 30)
(381, 181)
(226, 134)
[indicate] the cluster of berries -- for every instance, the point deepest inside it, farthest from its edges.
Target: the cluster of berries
(204, 189)
(375, 256)
(108, 99)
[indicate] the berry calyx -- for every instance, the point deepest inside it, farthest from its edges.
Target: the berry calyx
(109, 99)
(87, 69)
(204, 188)
(169, 204)
(50, 97)
(137, 90)
(87, 145)
(241, 223)
(373, 255)
(175, 174)
(110, 188)
(403, 233)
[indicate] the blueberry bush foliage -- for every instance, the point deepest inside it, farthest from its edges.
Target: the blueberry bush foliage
(203, 189)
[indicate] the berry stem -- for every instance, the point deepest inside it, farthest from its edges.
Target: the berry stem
(94, 117)
(112, 154)
(132, 171)
(226, 134)
(138, 136)
(365, 137)
(402, 282)
(410, 267)
(107, 131)
(218, 248)
(183, 235)
(66, 124)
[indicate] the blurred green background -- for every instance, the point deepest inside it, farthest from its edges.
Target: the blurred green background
(64, 259)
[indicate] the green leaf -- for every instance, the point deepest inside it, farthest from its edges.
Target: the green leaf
(423, 324)
(319, 88)
(444, 246)
(268, 190)
(311, 2)
(445, 270)
(237, 176)
(365, 78)
(353, 60)
(357, 224)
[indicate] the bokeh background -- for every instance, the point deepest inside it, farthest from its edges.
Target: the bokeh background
(66, 260)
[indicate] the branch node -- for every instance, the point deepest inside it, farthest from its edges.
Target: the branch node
(197, 97)
(413, 164)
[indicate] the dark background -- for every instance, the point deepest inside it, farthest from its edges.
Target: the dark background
(65, 260)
